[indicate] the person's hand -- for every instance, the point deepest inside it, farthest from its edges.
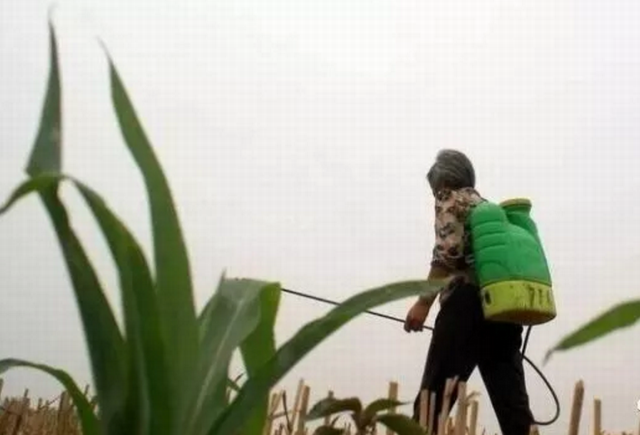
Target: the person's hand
(417, 315)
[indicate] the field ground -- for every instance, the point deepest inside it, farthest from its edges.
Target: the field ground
(25, 416)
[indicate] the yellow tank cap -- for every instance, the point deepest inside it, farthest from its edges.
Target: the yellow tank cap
(516, 202)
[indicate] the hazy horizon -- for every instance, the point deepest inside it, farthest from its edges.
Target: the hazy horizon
(296, 136)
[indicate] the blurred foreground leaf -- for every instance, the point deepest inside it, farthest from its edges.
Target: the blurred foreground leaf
(305, 340)
(229, 318)
(107, 350)
(620, 316)
(258, 348)
(173, 275)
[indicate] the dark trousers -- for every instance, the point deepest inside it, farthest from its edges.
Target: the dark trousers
(462, 339)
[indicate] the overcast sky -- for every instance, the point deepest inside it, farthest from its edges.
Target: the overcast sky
(296, 135)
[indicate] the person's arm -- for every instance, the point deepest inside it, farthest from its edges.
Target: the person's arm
(449, 241)
(436, 273)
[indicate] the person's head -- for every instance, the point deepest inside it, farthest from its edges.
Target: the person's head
(451, 170)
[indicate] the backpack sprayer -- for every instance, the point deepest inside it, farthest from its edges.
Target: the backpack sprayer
(512, 272)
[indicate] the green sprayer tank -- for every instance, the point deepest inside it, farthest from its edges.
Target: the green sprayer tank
(511, 267)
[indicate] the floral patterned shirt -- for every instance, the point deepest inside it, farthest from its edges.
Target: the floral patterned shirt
(452, 249)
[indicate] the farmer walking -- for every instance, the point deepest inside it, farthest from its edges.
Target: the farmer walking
(462, 339)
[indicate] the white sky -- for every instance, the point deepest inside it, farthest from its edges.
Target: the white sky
(296, 135)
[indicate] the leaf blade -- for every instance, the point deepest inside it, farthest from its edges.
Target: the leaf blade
(379, 405)
(88, 420)
(307, 338)
(619, 316)
(106, 346)
(137, 291)
(46, 154)
(400, 424)
(230, 317)
(329, 406)
(147, 356)
(258, 348)
(173, 275)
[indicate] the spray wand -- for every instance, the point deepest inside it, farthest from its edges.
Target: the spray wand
(429, 328)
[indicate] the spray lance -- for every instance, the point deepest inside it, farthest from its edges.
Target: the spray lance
(429, 328)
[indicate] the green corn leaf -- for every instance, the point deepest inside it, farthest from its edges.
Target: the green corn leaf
(141, 317)
(378, 406)
(258, 348)
(107, 349)
(400, 424)
(382, 405)
(329, 406)
(88, 420)
(205, 318)
(217, 397)
(46, 155)
(230, 317)
(40, 183)
(173, 276)
(619, 316)
(308, 338)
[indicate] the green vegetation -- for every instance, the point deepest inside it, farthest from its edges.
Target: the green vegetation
(166, 373)
(622, 315)
(364, 418)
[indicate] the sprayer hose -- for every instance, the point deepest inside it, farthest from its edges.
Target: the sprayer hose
(429, 328)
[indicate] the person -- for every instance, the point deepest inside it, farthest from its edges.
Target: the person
(462, 339)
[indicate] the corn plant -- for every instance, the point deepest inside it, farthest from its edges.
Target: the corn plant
(364, 418)
(165, 372)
